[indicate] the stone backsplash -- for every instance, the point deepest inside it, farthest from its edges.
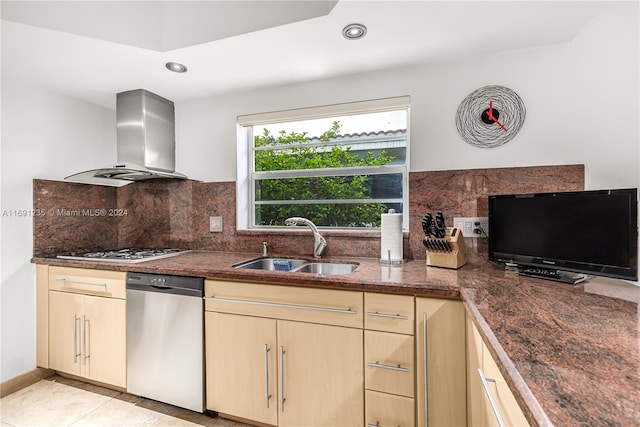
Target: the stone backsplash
(172, 213)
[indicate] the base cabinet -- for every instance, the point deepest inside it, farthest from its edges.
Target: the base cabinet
(87, 337)
(389, 360)
(81, 323)
(440, 362)
(320, 369)
(483, 368)
(282, 372)
(241, 361)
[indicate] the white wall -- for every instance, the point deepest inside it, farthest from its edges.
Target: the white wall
(582, 101)
(46, 136)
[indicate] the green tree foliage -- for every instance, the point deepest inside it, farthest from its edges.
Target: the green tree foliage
(290, 154)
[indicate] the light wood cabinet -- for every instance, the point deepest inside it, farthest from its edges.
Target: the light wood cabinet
(440, 363)
(483, 368)
(384, 409)
(104, 283)
(325, 306)
(264, 366)
(241, 360)
(86, 324)
(389, 360)
(42, 316)
(475, 399)
(321, 375)
(389, 313)
(65, 332)
(106, 340)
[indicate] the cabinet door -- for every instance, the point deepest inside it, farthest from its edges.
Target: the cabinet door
(506, 403)
(65, 332)
(443, 323)
(480, 411)
(321, 375)
(241, 366)
(477, 412)
(105, 335)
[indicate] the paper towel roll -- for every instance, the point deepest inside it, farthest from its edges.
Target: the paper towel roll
(391, 236)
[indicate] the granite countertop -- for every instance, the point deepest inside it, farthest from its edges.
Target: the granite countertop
(570, 353)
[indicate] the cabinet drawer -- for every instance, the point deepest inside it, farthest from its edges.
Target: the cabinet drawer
(326, 306)
(389, 313)
(389, 363)
(388, 410)
(91, 282)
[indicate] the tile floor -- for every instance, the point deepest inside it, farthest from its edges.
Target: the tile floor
(59, 401)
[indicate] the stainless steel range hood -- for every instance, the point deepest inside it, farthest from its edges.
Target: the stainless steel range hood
(146, 147)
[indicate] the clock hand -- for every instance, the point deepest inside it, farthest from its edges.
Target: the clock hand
(502, 127)
(490, 109)
(496, 121)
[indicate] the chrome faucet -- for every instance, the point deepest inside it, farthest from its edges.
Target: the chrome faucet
(319, 242)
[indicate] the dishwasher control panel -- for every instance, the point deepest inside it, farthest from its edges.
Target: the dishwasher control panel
(180, 285)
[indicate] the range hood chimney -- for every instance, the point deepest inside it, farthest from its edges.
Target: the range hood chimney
(146, 147)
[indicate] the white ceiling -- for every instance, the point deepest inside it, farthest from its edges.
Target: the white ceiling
(92, 50)
(162, 25)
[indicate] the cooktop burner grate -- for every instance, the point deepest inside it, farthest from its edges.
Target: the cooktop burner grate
(130, 255)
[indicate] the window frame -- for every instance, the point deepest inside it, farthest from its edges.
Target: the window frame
(246, 178)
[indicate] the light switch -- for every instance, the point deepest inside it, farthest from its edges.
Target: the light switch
(215, 224)
(468, 228)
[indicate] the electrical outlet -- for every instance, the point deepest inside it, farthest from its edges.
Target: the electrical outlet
(215, 224)
(469, 227)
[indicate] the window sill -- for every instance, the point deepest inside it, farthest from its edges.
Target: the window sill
(360, 234)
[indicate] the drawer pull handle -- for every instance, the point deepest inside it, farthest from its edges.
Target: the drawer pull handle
(377, 424)
(85, 322)
(77, 282)
(75, 337)
(383, 366)
(282, 305)
(282, 398)
(492, 402)
(266, 372)
(388, 316)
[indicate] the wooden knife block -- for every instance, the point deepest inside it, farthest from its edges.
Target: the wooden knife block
(455, 258)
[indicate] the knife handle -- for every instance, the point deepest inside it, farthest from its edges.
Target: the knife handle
(440, 231)
(427, 224)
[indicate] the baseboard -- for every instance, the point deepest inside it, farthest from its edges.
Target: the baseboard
(24, 380)
(242, 420)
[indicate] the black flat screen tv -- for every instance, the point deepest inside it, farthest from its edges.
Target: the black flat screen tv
(591, 232)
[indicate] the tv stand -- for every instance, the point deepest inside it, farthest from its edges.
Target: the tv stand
(552, 274)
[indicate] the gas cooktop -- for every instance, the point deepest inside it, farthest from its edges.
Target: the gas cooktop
(128, 255)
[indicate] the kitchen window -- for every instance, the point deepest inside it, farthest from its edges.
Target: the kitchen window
(341, 166)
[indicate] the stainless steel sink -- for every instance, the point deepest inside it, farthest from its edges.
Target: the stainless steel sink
(298, 266)
(327, 268)
(272, 264)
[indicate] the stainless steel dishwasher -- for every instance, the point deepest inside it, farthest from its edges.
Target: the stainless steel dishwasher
(165, 336)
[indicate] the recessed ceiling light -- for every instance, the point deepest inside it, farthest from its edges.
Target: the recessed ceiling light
(176, 67)
(354, 31)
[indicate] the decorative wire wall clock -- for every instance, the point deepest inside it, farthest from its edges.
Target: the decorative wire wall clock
(490, 116)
